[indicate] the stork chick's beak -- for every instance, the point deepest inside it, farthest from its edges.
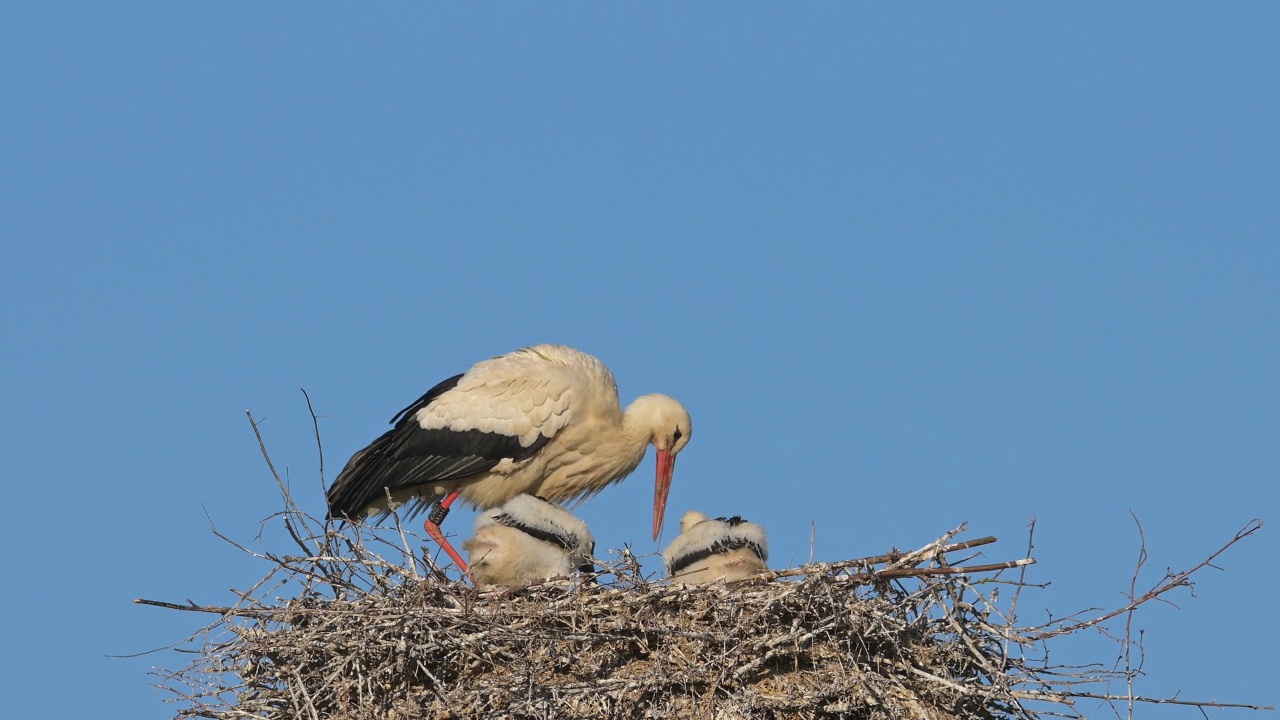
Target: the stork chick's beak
(661, 486)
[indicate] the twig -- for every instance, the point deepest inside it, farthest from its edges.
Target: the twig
(833, 567)
(813, 532)
(315, 426)
(1167, 701)
(1169, 582)
(1129, 673)
(192, 607)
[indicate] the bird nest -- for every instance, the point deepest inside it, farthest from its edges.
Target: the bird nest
(375, 631)
(363, 624)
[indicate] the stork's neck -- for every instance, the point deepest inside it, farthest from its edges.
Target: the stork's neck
(632, 439)
(624, 449)
(620, 451)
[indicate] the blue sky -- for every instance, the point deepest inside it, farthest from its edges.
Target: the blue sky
(907, 265)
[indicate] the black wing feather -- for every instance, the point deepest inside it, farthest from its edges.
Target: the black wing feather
(407, 456)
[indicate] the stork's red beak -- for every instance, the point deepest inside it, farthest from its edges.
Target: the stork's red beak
(661, 486)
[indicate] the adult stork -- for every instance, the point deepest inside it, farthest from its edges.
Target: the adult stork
(527, 539)
(543, 420)
(721, 549)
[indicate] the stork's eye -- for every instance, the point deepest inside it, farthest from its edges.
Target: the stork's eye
(677, 434)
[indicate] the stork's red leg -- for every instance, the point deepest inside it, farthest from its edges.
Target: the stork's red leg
(439, 511)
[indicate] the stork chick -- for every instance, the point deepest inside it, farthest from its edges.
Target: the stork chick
(708, 550)
(528, 539)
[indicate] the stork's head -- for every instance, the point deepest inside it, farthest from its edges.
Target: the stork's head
(669, 428)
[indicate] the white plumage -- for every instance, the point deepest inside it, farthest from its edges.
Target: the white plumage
(708, 549)
(525, 540)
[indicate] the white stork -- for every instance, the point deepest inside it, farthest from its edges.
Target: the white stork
(544, 420)
(527, 539)
(708, 550)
